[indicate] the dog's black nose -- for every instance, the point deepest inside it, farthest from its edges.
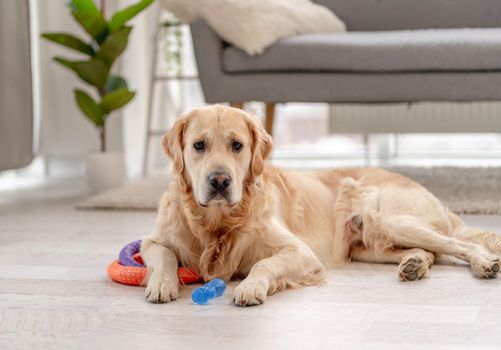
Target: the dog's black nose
(219, 180)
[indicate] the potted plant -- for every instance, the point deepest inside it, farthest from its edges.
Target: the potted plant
(107, 40)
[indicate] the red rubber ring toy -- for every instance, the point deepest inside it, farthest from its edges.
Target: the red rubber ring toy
(136, 276)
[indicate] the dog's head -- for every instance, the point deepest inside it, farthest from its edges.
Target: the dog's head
(216, 150)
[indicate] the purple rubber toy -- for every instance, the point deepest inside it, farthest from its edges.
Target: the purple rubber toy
(126, 256)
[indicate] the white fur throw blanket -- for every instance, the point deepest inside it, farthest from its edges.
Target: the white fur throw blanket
(253, 25)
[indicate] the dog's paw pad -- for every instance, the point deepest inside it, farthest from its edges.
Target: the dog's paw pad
(412, 269)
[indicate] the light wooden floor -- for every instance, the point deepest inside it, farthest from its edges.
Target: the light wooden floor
(54, 293)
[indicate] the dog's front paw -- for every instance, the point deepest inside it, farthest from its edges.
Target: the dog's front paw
(250, 292)
(161, 289)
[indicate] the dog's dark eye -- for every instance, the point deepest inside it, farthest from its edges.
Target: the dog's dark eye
(199, 146)
(236, 146)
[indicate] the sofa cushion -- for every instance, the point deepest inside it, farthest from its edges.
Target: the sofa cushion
(386, 51)
(253, 25)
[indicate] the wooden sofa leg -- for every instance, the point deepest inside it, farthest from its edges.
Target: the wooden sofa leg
(239, 105)
(269, 117)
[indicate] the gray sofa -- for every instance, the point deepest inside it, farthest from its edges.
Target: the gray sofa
(394, 51)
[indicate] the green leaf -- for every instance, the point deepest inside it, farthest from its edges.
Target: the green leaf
(116, 99)
(84, 6)
(170, 23)
(70, 41)
(89, 107)
(67, 63)
(94, 72)
(114, 46)
(114, 82)
(121, 17)
(92, 23)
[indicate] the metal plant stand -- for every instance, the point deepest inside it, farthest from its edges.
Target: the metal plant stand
(157, 78)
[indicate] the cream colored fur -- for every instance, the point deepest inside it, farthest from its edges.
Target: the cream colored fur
(253, 25)
(280, 229)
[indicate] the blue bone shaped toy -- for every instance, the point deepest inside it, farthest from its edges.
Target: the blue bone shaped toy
(208, 291)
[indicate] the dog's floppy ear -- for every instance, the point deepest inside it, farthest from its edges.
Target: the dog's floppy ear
(172, 142)
(261, 146)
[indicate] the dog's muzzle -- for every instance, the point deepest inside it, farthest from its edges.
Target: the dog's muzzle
(219, 185)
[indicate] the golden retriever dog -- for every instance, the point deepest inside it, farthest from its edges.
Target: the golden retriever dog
(230, 214)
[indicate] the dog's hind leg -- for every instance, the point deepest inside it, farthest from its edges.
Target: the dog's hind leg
(489, 240)
(413, 263)
(411, 232)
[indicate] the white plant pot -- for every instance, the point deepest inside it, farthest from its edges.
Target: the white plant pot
(104, 170)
